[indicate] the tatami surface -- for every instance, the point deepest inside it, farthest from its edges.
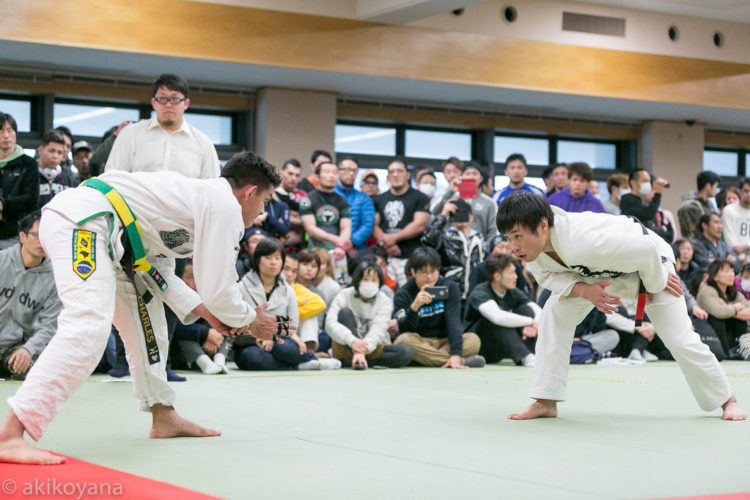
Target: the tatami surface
(626, 432)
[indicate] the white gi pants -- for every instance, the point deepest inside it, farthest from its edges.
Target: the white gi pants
(667, 313)
(84, 325)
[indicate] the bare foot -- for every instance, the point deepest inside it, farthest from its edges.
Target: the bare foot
(733, 411)
(18, 451)
(168, 424)
(541, 408)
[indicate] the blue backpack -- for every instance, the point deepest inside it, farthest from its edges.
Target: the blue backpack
(582, 353)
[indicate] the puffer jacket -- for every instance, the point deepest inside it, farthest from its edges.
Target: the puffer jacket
(459, 253)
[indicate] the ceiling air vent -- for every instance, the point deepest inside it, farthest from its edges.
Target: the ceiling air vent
(601, 25)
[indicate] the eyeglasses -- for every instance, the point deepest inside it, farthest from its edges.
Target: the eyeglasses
(174, 101)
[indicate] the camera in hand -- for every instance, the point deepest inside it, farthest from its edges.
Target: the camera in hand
(437, 292)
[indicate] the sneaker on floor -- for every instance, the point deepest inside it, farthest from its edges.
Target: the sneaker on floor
(529, 361)
(119, 370)
(475, 361)
(173, 377)
(650, 358)
(313, 364)
(636, 356)
(329, 364)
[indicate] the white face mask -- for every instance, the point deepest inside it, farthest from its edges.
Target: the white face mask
(428, 189)
(368, 290)
(745, 284)
(645, 188)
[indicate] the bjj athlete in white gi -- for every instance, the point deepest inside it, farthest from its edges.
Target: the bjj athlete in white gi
(589, 260)
(80, 232)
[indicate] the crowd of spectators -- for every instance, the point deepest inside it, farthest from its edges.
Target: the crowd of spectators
(412, 275)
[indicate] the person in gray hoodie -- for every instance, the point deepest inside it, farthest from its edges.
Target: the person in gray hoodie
(29, 305)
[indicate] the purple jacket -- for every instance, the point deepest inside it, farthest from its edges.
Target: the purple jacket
(586, 203)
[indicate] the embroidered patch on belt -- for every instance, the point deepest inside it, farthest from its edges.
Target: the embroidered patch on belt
(84, 253)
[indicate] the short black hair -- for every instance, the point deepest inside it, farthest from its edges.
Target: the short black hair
(398, 159)
(471, 165)
(172, 82)
(523, 209)
(514, 157)
(293, 162)
(707, 177)
(320, 152)
(496, 264)
(633, 175)
(362, 269)
(705, 219)
(6, 118)
(292, 256)
(347, 158)
(66, 132)
(421, 258)
(247, 168)
(743, 181)
(52, 136)
(24, 225)
(320, 166)
(582, 170)
(264, 248)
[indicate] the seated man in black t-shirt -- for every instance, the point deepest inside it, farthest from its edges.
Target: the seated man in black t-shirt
(325, 213)
(502, 315)
(430, 323)
(401, 217)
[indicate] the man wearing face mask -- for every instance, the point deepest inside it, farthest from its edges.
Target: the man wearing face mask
(636, 203)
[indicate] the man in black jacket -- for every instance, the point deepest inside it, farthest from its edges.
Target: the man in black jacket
(429, 323)
(19, 182)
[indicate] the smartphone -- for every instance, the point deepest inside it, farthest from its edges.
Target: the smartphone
(467, 189)
(437, 292)
(461, 214)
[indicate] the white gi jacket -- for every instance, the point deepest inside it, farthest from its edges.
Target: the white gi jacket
(180, 218)
(597, 247)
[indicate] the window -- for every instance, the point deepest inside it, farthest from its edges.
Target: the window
(360, 139)
(91, 120)
(536, 151)
(438, 145)
(218, 128)
(721, 162)
(20, 110)
(596, 154)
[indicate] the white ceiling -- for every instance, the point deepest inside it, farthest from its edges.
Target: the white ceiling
(114, 65)
(737, 11)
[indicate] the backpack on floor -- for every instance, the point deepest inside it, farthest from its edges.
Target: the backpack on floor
(582, 353)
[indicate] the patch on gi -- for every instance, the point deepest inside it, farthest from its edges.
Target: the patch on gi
(174, 239)
(84, 253)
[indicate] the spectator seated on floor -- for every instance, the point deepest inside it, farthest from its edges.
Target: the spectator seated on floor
(684, 263)
(357, 322)
(498, 246)
(324, 280)
(198, 344)
(310, 306)
(728, 310)
(460, 246)
(381, 257)
(428, 315)
(309, 267)
(265, 284)
(710, 245)
(250, 240)
(594, 330)
(742, 282)
(504, 317)
(636, 343)
(29, 305)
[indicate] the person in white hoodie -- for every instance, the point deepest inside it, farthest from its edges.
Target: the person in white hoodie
(357, 322)
(28, 301)
(588, 260)
(162, 213)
